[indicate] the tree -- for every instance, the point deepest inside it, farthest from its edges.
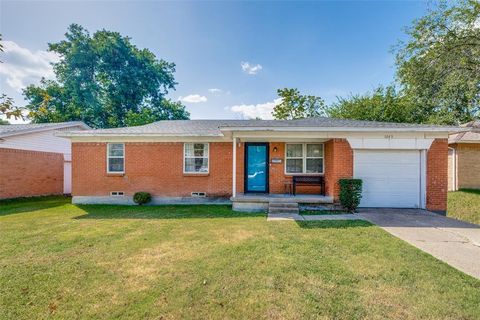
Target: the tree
(8, 109)
(167, 110)
(383, 104)
(297, 106)
(105, 81)
(439, 65)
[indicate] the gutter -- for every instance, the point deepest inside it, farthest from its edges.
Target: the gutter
(133, 134)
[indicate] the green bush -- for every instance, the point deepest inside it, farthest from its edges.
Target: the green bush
(142, 198)
(350, 193)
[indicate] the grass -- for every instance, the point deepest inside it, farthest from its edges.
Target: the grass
(207, 262)
(464, 205)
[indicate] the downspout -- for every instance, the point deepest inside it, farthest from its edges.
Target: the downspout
(234, 167)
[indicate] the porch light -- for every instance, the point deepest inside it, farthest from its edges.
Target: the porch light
(275, 149)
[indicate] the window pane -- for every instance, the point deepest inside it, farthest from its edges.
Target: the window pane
(196, 165)
(199, 150)
(314, 165)
(294, 150)
(314, 150)
(294, 165)
(188, 149)
(115, 164)
(115, 149)
(196, 149)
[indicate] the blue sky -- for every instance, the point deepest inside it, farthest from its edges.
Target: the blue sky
(231, 57)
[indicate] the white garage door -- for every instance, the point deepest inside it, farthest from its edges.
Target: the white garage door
(391, 178)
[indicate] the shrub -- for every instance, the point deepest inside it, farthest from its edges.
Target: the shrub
(142, 198)
(350, 193)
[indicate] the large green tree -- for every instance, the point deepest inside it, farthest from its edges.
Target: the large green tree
(439, 64)
(106, 81)
(383, 104)
(297, 106)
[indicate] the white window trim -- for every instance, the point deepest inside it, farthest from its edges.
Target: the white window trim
(304, 160)
(116, 157)
(207, 157)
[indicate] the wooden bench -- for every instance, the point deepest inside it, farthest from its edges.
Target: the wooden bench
(309, 181)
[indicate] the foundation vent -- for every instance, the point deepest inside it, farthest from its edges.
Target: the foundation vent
(199, 194)
(117, 193)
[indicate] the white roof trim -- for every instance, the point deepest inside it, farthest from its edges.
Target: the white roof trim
(40, 129)
(346, 129)
(130, 134)
(464, 141)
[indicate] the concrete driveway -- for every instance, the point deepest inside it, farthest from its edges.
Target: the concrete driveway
(452, 241)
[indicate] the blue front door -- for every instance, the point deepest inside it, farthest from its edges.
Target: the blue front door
(256, 167)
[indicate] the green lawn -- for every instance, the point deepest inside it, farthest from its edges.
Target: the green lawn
(207, 262)
(464, 205)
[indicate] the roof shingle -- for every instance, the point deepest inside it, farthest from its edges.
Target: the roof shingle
(213, 127)
(12, 129)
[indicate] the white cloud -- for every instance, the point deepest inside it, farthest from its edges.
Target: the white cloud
(252, 111)
(250, 68)
(193, 98)
(214, 90)
(23, 67)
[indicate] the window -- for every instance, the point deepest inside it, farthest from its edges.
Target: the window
(304, 158)
(195, 158)
(115, 158)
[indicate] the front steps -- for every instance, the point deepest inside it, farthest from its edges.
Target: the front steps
(281, 207)
(261, 202)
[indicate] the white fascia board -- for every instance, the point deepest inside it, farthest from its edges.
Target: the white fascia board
(343, 129)
(386, 143)
(466, 141)
(125, 134)
(118, 138)
(279, 135)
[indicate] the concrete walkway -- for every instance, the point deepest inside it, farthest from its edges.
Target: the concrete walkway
(320, 217)
(452, 241)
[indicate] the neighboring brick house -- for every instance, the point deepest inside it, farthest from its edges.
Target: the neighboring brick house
(464, 158)
(33, 161)
(251, 162)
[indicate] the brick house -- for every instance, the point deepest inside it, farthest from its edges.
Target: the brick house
(33, 161)
(250, 162)
(464, 158)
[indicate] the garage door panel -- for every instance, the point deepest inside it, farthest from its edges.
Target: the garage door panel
(386, 186)
(391, 178)
(408, 172)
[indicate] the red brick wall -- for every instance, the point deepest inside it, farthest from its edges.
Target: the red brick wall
(437, 175)
(277, 172)
(153, 167)
(339, 164)
(158, 168)
(26, 173)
